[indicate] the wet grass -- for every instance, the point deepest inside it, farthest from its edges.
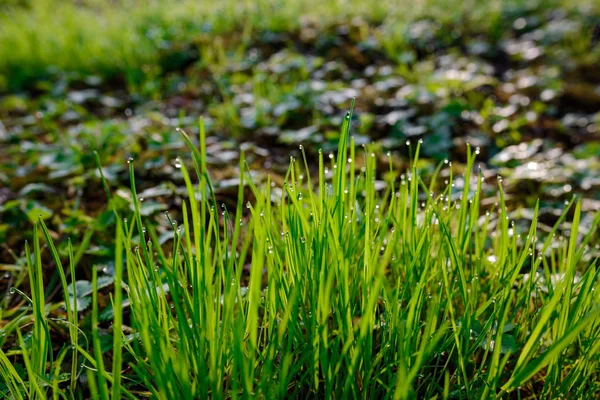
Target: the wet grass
(385, 260)
(325, 286)
(520, 85)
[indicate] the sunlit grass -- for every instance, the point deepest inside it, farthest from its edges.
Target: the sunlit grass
(126, 39)
(324, 287)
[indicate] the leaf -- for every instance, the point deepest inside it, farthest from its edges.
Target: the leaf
(32, 188)
(151, 207)
(82, 303)
(511, 154)
(84, 290)
(33, 210)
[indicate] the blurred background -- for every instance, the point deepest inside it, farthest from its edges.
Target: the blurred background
(518, 80)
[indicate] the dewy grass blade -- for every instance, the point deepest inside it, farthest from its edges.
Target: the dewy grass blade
(118, 314)
(96, 339)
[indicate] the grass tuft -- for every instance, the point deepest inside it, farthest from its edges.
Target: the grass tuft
(332, 289)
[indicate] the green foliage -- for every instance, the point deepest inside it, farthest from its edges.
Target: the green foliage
(320, 288)
(138, 41)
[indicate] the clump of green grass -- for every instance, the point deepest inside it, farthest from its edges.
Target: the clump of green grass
(326, 288)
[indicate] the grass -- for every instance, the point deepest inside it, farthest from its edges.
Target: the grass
(121, 40)
(325, 287)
